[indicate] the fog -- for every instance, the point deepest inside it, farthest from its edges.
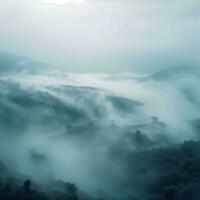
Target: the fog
(103, 94)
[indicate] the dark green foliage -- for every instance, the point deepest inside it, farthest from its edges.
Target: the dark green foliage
(171, 173)
(11, 191)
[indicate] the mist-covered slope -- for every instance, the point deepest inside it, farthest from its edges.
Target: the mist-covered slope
(114, 138)
(170, 173)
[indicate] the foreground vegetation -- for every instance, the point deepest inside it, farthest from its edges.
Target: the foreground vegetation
(171, 173)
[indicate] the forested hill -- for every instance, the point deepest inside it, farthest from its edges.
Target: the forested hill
(171, 173)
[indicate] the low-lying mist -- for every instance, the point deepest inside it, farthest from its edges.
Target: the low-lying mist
(83, 128)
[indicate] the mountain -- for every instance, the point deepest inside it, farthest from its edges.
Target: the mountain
(174, 73)
(11, 63)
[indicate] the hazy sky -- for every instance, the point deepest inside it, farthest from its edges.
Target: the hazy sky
(103, 35)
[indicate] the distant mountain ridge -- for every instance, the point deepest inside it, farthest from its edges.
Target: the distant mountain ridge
(11, 63)
(174, 73)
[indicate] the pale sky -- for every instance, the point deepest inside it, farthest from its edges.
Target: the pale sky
(103, 35)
